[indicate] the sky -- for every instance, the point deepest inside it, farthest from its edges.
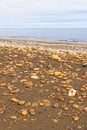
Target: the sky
(43, 13)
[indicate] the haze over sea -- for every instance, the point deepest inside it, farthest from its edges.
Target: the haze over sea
(46, 34)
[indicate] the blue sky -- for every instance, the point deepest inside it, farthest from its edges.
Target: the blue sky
(43, 13)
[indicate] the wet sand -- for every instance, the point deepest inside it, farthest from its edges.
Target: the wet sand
(43, 87)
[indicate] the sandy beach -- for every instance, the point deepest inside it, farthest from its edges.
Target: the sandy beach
(43, 85)
(43, 45)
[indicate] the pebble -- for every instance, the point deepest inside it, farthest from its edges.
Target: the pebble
(84, 65)
(21, 102)
(65, 108)
(34, 77)
(14, 100)
(76, 118)
(24, 112)
(27, 104)
(32, 111)
(76, 106)
(85, 108)
(55, 57)
(19, 65)
(72, 92)
(55, 121)
(13, 117)
(56, 105)
(61, 99)
(47, 102)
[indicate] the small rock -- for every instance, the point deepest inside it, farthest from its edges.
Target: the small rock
(76, 106)
(55, 121)
(41, 104)
(85, 108)
(21, 102)
(55, 105)
(34, 104)
(13, 117)
(47, 102)
(55, 57)
(24, 112)
(61, 99)
(75, 118)
(19, 65)
(84, 65)
(27, 104)
(34, 77)
(32, 111)
(79, 127)
(14, 100)
(65, 108)
(72, 92)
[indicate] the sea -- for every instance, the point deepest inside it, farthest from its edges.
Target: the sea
(46, 34)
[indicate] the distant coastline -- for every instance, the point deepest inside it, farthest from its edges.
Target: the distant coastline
(73, 35)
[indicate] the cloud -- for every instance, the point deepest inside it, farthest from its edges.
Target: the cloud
(25, 12)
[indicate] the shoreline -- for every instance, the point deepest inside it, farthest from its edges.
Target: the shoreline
(45, 45)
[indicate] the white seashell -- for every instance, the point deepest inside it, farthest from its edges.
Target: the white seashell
(72, 92)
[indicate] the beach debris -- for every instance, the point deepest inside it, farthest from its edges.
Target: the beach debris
(72, 92)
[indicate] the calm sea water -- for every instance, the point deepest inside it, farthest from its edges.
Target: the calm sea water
(47, 34)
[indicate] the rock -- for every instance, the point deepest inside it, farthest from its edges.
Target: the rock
(32, 111)
(2, 110)
(56, 105)
(61, 99)
(14, 100)
(75, 118)
(47, 102)
(72, 92)
(34, 77)
(34, 104)
(55, 57)
(13, 117)
(27, 104)
(85, 108)
(21, 102)
(24, 112)
(65, 108)
(84, 65)
(55, 121)
(19, 65)
(76, 106)
(23, 80)
(41, 103)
